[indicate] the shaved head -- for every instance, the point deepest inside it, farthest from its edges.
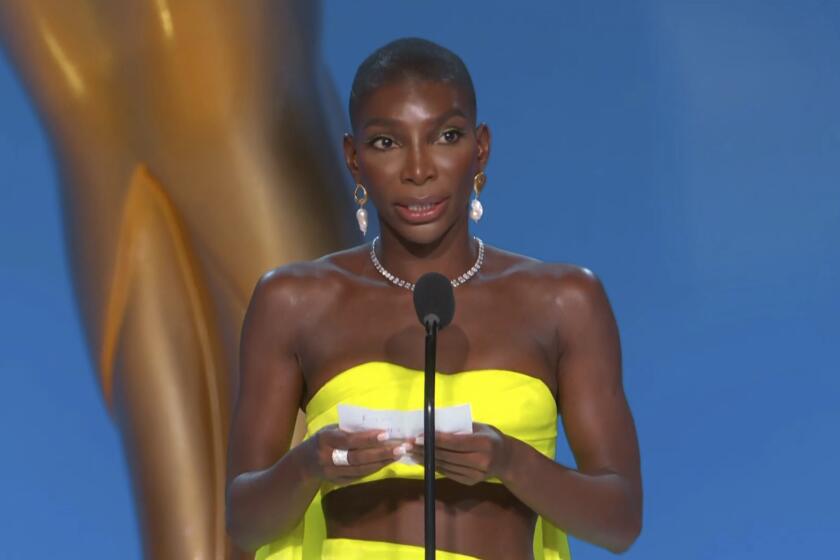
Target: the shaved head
(410, 58)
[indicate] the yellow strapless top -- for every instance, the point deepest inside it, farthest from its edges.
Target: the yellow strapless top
(519, 405)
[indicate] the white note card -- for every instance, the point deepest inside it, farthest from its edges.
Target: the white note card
(404, 424)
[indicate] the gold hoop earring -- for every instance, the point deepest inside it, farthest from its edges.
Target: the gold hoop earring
(476, 209)
(361, 196)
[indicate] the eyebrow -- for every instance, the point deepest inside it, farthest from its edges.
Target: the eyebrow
(385, 121)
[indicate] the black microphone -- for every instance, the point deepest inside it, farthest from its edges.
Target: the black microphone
(434, 303)
(434, 300)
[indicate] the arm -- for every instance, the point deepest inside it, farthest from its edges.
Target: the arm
(601, 501)
(266, 497)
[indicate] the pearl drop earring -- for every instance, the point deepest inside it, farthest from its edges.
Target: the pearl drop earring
(476, 209)
(361, 213)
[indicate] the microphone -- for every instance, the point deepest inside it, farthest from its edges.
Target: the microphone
(434, 303)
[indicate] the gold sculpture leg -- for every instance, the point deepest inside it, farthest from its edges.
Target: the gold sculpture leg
(166, 394)
(198, 145)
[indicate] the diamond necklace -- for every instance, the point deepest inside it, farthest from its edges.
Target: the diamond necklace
(409, 285)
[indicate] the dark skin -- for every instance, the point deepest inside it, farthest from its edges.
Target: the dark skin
(309, 321)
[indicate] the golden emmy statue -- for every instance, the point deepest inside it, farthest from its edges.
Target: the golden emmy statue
(198, 145)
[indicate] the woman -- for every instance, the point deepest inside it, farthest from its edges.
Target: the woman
(529, 340)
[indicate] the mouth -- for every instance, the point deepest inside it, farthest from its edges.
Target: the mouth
(421, 213)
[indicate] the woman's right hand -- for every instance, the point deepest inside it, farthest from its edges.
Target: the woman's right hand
(367, 452)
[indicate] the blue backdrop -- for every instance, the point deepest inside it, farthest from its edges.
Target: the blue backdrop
(687, 152)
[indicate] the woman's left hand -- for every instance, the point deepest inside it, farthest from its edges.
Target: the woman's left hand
(469, 458)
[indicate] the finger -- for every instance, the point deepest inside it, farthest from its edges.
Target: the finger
(470, 461)
(356, 440)
(460, 442)
(344, 475)
(360, 457)
(464, 476)
(476, 461)
(333, 434)
(377, 454)
(459, 470)
(471, 470)
(355, 471)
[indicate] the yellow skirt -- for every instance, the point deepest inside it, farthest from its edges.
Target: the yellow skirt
(355, 549)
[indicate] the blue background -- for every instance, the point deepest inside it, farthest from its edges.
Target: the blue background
(687, 152)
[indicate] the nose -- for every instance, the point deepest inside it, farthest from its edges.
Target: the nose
(419, 165)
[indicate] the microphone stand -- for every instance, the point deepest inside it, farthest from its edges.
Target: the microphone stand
(429, 435)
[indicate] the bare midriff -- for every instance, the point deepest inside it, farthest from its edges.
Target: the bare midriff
(485, 520)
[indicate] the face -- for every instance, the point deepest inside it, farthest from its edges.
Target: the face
(416, 150)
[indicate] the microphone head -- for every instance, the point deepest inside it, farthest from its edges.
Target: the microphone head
(433, 299)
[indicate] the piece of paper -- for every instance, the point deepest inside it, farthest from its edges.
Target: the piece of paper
(404, 424)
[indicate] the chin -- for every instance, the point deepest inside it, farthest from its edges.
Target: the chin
(424, 234)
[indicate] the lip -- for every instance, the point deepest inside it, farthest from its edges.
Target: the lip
(423, 216)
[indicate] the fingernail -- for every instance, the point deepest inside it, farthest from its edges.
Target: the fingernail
(383, 436)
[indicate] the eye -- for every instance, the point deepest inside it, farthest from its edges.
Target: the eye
(451, 135)
(381, 143)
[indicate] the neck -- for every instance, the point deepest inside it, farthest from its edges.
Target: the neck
(451, 255)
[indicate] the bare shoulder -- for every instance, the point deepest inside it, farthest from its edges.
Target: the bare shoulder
(307, 285)
(557, 283)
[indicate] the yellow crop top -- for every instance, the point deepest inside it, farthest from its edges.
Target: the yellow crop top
(519, 405)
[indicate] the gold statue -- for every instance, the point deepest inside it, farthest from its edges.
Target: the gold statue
(198, 144)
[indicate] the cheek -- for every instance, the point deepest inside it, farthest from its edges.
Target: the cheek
(457, 158)
(460, 171)
(380, 168)
(456, 164)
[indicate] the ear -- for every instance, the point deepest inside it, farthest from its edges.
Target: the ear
(482, 137)
(351, 156)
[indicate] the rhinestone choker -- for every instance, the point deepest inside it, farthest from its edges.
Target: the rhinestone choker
(409, 285)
